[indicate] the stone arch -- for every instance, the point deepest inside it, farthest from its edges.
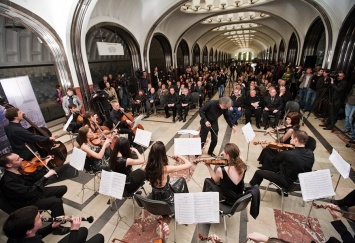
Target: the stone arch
(160, 53)
(183, 54)
(205, 55)
(292, 50)
(281, 51)
(196, 53)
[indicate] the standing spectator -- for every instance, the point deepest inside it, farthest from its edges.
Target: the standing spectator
(349, 112)
(59, 94)
(305, 81)
(221, 83)
(144, 82)
(312, 91)
(111, 92)
(71, 98)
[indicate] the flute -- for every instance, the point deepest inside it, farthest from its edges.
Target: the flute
(64, 220)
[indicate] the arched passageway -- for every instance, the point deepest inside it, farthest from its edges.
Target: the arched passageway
(205, 55)
(292, 50)
(196, 54)
(182, 54)
(160, 54)
(281, 51)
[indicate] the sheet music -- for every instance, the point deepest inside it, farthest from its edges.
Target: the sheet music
(137, 121)
(68, 123)
(248, 132)
(142, 137)
(193, 208)
(112, 184)
(340, 164)
(316, 185)
(184, 208)
(187, 146)
(206, 207)
(77, 159)
(192, 132)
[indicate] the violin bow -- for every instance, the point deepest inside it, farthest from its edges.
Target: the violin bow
(45, 165)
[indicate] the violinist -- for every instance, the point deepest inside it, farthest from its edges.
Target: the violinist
(267, 154)
(97, 156)
(116, 117)
(121, 161)
(89, 120)
(291, 163)
(76, 123)
(20, 192)
(227, 180)
(18, 135)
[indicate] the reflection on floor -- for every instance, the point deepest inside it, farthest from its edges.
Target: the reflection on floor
(82, 201)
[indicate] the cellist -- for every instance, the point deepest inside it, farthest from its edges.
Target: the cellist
(18, 135)
(116, 116)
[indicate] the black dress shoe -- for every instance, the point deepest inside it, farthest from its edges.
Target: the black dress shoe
(266, 127)
(279, 192)
(180, 118)
(61, 230)
(257, 126)
(167, 116)
(327, 128)
(174, 119)
(273, 126)
(184, 120)
(322, 125)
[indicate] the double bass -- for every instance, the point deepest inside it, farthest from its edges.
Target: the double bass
(55, 148)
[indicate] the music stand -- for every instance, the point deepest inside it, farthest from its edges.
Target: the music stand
(341, 165)
(143, 138)
(249, 135)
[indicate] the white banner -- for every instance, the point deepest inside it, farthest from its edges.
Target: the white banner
(109, 49)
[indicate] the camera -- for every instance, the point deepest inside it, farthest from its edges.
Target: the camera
(333, 74)
(138, 73)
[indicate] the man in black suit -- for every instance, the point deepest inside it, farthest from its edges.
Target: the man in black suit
(272, 106)
(185, 102)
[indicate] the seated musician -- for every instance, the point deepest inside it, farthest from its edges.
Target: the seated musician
(25, 226)
(18, 135)
(267, 154)
(121, 161)
(138, 102)
(227, 180)
(185, 101)
(157, 173)
(236, 108)
(291, 163)
(76, 123)
(124, 126)
(253, 105)
(152, 101)
(89, 120)
(20, 192)
(97, 151)
(272, 106)
(171, 102)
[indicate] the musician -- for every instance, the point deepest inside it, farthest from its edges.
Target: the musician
(292, 162)
(339, 226)
(96, 155)
(236, 107)
(171, 103)
(18, 135)
(20, 192)
(138, 102)
(75, 124)
(267, 154)
(71, 98)
(89, 120)
(185, 100)
(227, 180)
(253, 104)
(157, 173)
(347, 201)
(124, 124)
(273, 105)
(152, 101)
(209, 114)
(121, 161)
(25, 226)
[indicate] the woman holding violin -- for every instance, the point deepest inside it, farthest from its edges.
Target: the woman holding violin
(97, 156)
(268, 153)
(227, 180)
(157, 173)
(121, 161)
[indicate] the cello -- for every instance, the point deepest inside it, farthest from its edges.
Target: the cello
(55, 148)
(128, 116)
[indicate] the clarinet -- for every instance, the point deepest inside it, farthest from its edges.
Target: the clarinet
(63, 220)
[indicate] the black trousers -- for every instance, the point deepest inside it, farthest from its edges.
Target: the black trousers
(266, 117)
(129, 132)
(185, 109)
(249, 112)
(173, 108)
(135, 179)
(82, 233)
(52, 200)
(214, 132)
(260, 175)
(349, 200)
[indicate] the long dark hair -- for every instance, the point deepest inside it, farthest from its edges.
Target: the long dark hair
(122, 145)
(234, 157)
(157, 159)
(83, 131)
(295, 118)
(86, 119)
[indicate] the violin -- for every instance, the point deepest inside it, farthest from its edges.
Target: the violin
(274, 145)
(212, 161)
(335, 209)
(79, 118)
(28, 167)
(277, 129)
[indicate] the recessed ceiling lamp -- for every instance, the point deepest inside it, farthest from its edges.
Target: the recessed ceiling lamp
(201, 6)
(237, 17)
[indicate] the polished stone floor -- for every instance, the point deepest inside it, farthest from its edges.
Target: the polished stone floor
(269, 222)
